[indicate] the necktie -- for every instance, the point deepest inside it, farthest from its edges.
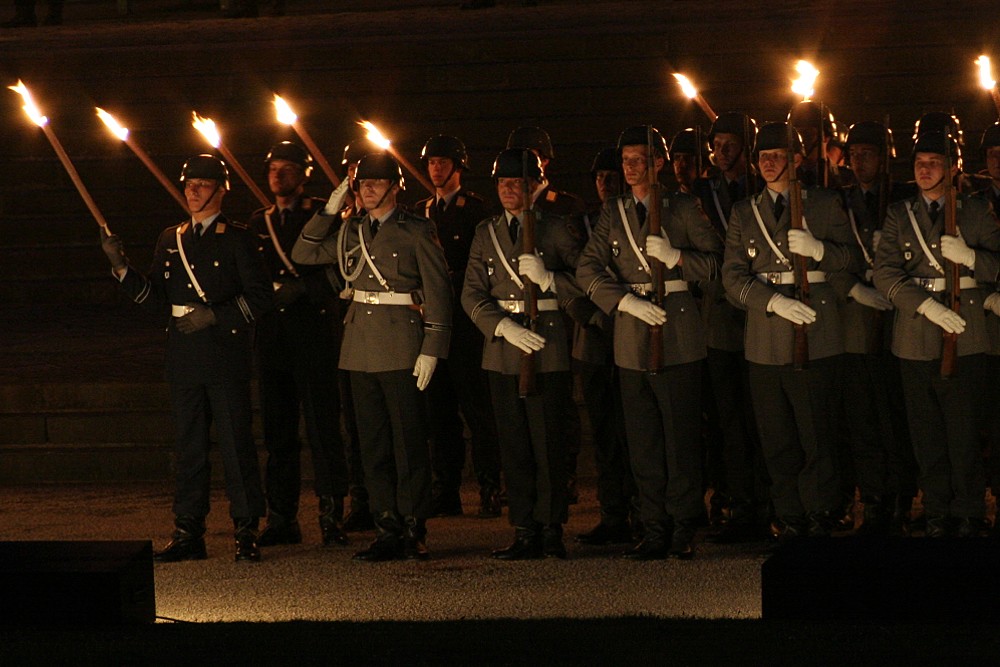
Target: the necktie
(734, 191)
(514, 227)
(199, 229)
(779, 207)
(374, 226)
(640, 212)
(934, 209)
(440, 208)
(284, 216)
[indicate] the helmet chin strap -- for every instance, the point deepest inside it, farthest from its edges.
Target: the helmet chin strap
(382, 198)
(209, 199)
(939, 182)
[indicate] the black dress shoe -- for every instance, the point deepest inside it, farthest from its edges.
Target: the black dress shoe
(359, 518)
(245, 537)
(552, 542)
(527, 545)
(649, 549)
(331, 528)
(489, 502)
(969, 527)
(606, 533)
(682, 539)
(182, 547)
(937, 525)
(383, 549)
(279, 531)
(414, 539)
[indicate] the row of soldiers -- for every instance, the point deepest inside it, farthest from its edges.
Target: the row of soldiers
(789, 438)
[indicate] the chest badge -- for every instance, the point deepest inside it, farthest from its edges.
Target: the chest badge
(907, 255)
(752, 251)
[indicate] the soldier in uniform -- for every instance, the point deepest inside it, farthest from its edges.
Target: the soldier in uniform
(459, 380)
(397, 327)
(821, 143)
(297, 347)
(208, 275)
(875, 417)
(662, 405)
(687, 158)
(791, 405)
(910, 267)
(741, 483)
(530, 428)
(948, 123)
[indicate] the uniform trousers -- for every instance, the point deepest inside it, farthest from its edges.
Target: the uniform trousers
(392, 427)
(796, 419)
(532, 446)
(662, 425)
(226, 404)
(943, 423)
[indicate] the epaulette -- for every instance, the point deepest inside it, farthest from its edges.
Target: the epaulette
(235, 223)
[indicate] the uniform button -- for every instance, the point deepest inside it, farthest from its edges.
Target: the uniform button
(457, 237)
(369, 312)
(395, 254)
(260, 248)
(216, 263)
(234, 331)
(281, 272)
(189, 284)
(778, 243)
(370, 275)
(322, 311)
(682, 310)
(166, 263)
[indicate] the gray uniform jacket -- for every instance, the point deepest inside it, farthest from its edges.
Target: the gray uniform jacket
(684, 223)
(900, 259)
(769, 337)
(487, 281)
(381, 337)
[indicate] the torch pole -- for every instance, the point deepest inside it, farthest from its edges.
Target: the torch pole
(317, 155)
(75, 177)
(238, 168)
(413, 170)
(157, 172)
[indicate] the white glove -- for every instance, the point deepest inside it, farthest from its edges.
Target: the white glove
(941, 315)
(336, 201)
(992, 303)
(871, 297)
(660, 248)
(792, 310)
(802, 242)
(957, 250)
(644, 310)
(533, 268)
(876, 239)
(424, 369)
(518, 336)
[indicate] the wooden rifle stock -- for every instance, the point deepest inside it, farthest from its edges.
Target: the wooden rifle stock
(657, 295)
(800, 265)
(526, 372)
(953, 287)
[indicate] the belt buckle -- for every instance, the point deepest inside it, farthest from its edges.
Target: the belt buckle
(926, 283)
(371, 297)
(774, 277)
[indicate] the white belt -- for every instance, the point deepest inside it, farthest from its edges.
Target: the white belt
(517, 305)
(938, 284)
(788, 277)
(180, 311)
(383, 298)
(645, 289)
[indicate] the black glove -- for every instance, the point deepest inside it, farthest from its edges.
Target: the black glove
(200, 317)
(114, 249)
(289, 293)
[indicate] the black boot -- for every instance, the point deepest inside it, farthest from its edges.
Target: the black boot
(187, 542)
(489, 501)
(552, 541)
(245, 535)
(360, 517)
(655, 543)
(24, 16)
(527, 545)
(682, 539)
(388, 544)
(820, 524)
(279, 530)
(331, 528)
(938, 525)
(899, 523)
(415, 539)
(741, 526)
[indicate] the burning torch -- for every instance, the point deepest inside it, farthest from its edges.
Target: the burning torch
(286, 116)
(692, 94)
(383, 142)
(986, 80)
(208, 130)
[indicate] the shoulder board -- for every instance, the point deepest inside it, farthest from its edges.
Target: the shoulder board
(551, 195)
(459, 201)
(469, 195)
(234, 223)
(220, 228)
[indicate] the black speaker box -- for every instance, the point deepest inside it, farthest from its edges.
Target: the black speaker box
(76, 583)
(882, 579)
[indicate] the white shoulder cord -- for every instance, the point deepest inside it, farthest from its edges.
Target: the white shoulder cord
(503, 259)
(187, 267)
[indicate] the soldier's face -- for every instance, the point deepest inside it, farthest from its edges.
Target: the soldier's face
(685, 168)
(607, 184)
(728, 151)
(928, 171)
(285, 177)
(442, 171)
(866, 161)
(376, 193)
(773, 165)
(993, 162)
(511, 192)
(203, 195)
(634, 164)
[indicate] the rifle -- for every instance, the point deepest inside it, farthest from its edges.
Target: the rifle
(800, 265)
(822, 165)
(526, 374)
(884, 191)
(953, 288)
(751, 173)
(655, 266)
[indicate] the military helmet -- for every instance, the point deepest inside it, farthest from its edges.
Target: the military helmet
(991, 138)
(532, 138)
(604, 161)
(446, 146)
(687, 142)
(775, 135)
(939, 121)
(870, 132)
(354, 151)
(939, 143)
(517, 163)
(640, 135)
(208, 167)
(286, 150)
(733, 122)
(379, 165)
(809, 114)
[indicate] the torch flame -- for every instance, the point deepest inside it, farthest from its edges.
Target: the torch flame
(375, 136)
(689, 90)
(207, 128)
(109, 120)
(807, 77)
(985, 73)
(29, 104)
(283, 111)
